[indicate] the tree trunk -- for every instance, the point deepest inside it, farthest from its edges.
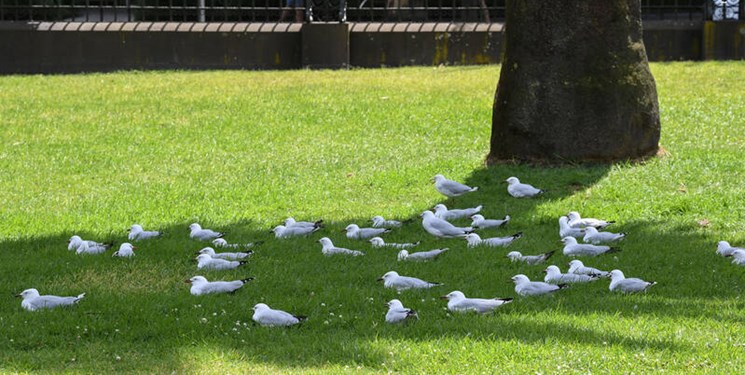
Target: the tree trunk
(575, 84)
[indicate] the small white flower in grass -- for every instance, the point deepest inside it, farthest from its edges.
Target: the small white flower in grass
(325, 322)
(332, 314)
(203, 320)
(323, 304)
(214, 314)
(118, 358)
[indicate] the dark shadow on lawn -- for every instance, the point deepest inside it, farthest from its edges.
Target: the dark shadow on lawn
(143, 304)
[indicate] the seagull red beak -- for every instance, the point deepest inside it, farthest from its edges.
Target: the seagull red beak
(443, 297)
(187, 281)
(380, 279)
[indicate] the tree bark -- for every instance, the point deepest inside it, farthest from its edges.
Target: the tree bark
(575, 84)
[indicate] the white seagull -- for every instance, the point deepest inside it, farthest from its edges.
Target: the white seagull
(516, 256)
(391, 279)
(576, 221)
(196, 232)
(200, 285)
(290, 222)
(269, 317)
(32, 301)
(572, 248)
(442, 228)
(379, 242)
(596, 238)
(738, 257)
(136, 233)
(380, 222)
(422, 255)
(619, 283)
(354, 232)
(554, 276)
(281, 231)
(397, 313)
(220, 242)
(724, 249)
(567, 231)
(126, 250)
(481, 223)
(525, 287)
(207, 262)
(225, 255)
(474, 240)
(329, 249)
(450, 188)
(457, 302)
(444, 213)
(519, 190)
(576, 266)
(82, 246)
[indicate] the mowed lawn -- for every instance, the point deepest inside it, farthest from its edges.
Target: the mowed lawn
(240, 151)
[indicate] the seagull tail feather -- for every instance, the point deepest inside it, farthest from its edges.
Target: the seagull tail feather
(247, 279)
(613, 250)
(79, 297)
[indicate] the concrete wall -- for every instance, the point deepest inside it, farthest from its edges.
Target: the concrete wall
(88, 47)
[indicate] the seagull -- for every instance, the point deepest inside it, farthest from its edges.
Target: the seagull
(619, 283)
(443, 213)
(594, 237)
(554, 276)
(576, 221)
(206, 262)
(516, 256)
(136, 233)
(354, 232)
(576, 266)
(450, 188)
(197, 233)
(422, 255)
(269, 317)
(82, 246)
(481, 223)
(290, 222)
(227, 256)
(457, 302)
(281, 231)
(32, 301)
(200, 285)
(380, 222)
(475, 240)
(567, 231)
(738, 257)
(126, 250)
(397, 313)
(378, 242)
(572, 248)
(520, 190)
(525, 287)
(220, 242)
(724, 249)
(441, 228)
(391, 279)
(329, 249)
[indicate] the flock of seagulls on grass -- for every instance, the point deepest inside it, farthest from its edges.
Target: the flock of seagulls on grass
(572, 228)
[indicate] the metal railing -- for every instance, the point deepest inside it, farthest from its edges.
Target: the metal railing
(322, 10)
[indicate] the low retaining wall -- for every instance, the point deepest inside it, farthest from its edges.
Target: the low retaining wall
(97, 47)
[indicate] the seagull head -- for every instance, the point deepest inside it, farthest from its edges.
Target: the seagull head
(388, 275)
(28, 293)
(136, 228)
(260, 306)
(438, 178)
(519, 279)
(472, 238)
(616, 275)
(576, 263)
(126, 246)
(591, 230)
(377, 241)
(207, 250)
(573, 215)
(440, 208)
(289, 221)
(219, 242)
(477, 217)
(403, 254)
(395, 304)
(325, 241)
(722, 245)
(196, 280)
(427, 214)
(514, 255)
(512, 180)
(194, 226)
(552, 270)
(351, 227)
(454, 295)
(278, 229)
(75, 239)
(569, 241)
(377, 219)
(203, 257)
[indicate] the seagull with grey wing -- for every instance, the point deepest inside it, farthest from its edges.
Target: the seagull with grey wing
(516, 256)
(567, 231)
(421, 255)
(225, 255)
(442, 228)
(596, 238)
(221, 242)
(474, 240)
(525, 287)
(380, 222)
(136, 233)
(32, 301)
(520, 190)
(393, 280)
(198, 233)
(444, 213)
(397, 313)
(126, 250)
(738, 257)
(82, 246)
(200, 285)
(379, 242)
(450, 188)
(619, 283)
(458, 302)
(268, 317)
(281, 231)
(554, 276)
(573, 248)
(576, 266)
(206, 262)
(354, 232)
(577, 221)
(479, 222)
(290, 222)
(328, 249)
(724, 249)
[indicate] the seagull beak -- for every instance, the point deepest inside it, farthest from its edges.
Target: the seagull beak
(544, 271)
(135, 247)
(343, 230)
(17, 295)
(380, 279)
(187, 281)
(443, 297)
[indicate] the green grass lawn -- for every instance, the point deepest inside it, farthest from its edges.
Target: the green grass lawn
(241, 151)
